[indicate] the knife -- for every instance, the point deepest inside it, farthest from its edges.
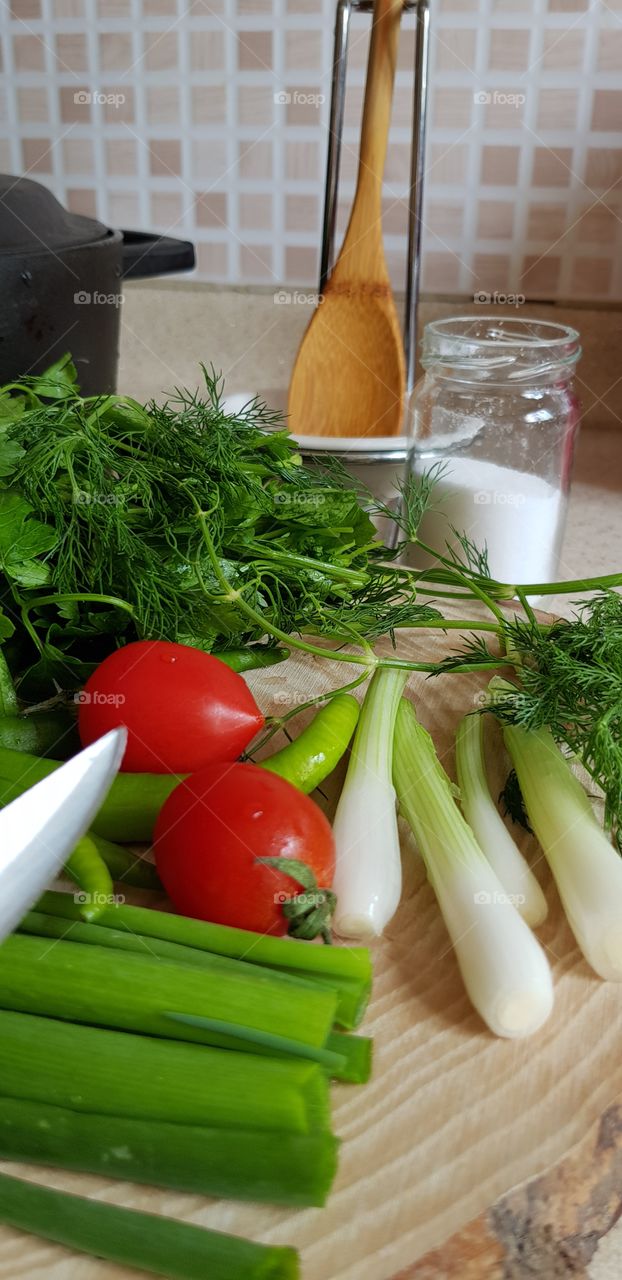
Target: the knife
(39, 830)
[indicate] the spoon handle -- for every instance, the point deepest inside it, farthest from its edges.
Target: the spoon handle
(363, 239)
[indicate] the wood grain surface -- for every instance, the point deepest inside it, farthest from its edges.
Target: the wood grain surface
(453, 1118)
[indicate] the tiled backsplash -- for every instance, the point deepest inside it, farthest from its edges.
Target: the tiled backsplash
(207, 119)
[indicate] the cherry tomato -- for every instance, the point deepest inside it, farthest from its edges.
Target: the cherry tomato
(182, 707)
(215, 825)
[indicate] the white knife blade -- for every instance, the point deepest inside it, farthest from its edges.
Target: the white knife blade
(39, 830)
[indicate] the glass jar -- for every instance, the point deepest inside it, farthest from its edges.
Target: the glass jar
(497, 409)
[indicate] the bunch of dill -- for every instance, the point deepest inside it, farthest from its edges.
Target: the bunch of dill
(105, 507)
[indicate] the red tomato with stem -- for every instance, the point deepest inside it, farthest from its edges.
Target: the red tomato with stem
(213, 828)
(182, 708)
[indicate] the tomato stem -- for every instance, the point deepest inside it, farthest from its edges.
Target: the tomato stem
(308, 913)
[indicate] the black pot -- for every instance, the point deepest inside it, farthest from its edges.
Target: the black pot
(60, 284)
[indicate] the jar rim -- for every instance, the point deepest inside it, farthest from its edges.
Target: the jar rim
(551, 333)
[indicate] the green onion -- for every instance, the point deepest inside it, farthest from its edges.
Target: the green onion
(346, 970)
(240, 1164)
(251, 1041)
(115, 1073)
(129, 810)
(351, 1054)
(356, 1054)
(586, 867)
(488, 826)
(504, 968)
(132, 992)
(309, 759)
(282, 1046)
(178, 1250)
(49, 926)
(368, 872)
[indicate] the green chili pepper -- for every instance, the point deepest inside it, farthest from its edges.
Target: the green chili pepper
(125, 866)
(129, 811)
(253, 656)
(315, 752)
(44, 733)
(87, 867)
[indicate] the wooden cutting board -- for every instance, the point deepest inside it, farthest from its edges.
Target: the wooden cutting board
(453, 1118)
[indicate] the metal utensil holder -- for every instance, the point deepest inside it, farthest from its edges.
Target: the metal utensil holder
(417, 154)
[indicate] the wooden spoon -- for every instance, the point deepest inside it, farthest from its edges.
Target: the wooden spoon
(349, 378)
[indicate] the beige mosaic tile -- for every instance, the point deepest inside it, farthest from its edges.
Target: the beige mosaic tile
(28, 53)
(164, 157)
(163, 105)
(167, 210)
(499, 166)
(71, 51)
(495, 220)
(255, 212)
(82, 200)
(211, 209)
(255, 51)
(207, 50)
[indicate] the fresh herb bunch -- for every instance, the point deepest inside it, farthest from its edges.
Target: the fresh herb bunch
(179, 521)
(570, 674)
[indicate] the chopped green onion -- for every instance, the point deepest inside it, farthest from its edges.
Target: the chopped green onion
(152, 1243)
(131, 992)
(504, 968)
(146, 1078)
(346, 970)
(49, 926)
(238, 1164)
(356, 1055)
(368, 872)
(488, 826)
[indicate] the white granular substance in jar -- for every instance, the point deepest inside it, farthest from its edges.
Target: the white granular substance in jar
(517, 515)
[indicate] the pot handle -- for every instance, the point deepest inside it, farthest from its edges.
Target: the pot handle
(146, 253)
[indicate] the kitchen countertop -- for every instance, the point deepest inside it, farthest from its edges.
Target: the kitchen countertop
(167, 329)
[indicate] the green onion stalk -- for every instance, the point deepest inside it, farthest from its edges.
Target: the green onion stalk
(586, 868)
(503, 966)
(368, 869)
(149, 1242)
(482, 815)
(345, 972)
